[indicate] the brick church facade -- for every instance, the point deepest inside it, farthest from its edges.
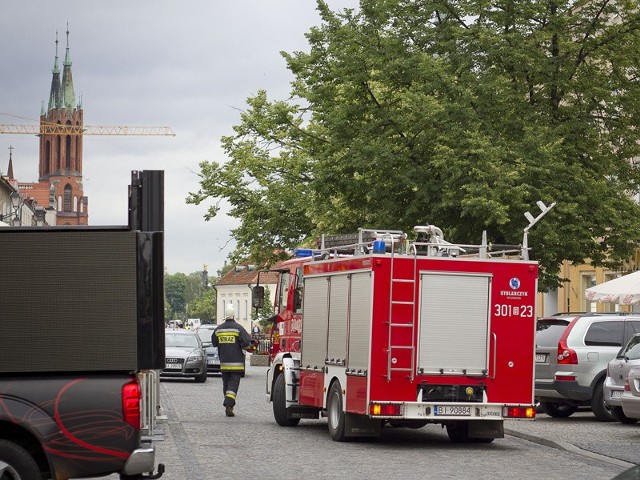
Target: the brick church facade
(59, 186)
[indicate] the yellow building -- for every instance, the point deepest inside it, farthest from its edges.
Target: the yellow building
(570, 297)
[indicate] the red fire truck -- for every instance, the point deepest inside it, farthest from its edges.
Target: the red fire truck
(387, 331)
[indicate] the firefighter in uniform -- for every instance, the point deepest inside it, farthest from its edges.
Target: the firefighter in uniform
(231, 339)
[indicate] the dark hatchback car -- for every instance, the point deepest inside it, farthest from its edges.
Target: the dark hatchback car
(213, 360)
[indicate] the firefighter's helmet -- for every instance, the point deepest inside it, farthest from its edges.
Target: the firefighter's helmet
(229, 312)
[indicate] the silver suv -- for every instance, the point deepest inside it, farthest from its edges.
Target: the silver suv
(571, 360)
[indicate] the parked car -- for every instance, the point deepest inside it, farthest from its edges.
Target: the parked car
(572, 374)
(548, 332)
(184, 356)
(617, 372)
(213, 360)
(630, 399)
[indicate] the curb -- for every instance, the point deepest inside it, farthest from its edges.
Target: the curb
(568, 447)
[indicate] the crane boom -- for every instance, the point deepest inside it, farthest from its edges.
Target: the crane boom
(52, 129)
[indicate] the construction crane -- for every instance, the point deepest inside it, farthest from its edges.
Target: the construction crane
(56, 129)
(45, 129)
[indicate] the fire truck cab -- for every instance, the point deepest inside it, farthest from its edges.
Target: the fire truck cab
(384, 331)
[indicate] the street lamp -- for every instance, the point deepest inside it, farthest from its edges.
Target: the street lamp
(16, 205)
(40, 216)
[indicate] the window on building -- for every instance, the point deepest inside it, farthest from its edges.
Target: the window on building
(75, 203)
(246, 309)
(588, 280)
(47, 156)
(67, 153)
(67, 198)
(57, 153)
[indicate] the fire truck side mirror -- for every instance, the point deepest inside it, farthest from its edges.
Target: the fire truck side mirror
(297, 299)
(257, 297)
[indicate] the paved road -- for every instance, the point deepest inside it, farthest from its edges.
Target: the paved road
(198, 442)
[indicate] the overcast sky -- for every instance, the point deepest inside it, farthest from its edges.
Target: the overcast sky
(189, 65)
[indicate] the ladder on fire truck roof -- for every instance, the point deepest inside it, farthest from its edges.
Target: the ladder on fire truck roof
(395, 323)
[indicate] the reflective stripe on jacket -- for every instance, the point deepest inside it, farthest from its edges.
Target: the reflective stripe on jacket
(231, 339)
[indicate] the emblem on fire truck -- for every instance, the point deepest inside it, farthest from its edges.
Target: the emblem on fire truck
(514, 283)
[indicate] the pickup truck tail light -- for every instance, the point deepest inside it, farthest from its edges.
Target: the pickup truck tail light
(131, 398)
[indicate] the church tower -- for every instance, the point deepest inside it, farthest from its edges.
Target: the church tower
(61, 155)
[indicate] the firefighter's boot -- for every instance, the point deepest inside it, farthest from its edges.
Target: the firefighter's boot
(229, 411)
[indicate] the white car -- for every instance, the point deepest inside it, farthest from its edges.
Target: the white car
(617, 371)
(630, 399)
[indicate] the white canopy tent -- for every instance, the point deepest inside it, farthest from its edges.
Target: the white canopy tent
(623, 290)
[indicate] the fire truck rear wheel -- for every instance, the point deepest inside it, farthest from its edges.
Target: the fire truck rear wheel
(280, 404)
(459, 433)
(335, 413)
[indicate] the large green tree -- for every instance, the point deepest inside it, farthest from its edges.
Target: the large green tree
(187, 296)
(459, 113)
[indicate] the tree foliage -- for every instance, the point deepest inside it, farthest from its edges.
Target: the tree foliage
(459, 113)
(186, 296)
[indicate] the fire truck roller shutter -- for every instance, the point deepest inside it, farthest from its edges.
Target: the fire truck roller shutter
(360, 321)
(314, 321)
(338, 311)
(454, 323)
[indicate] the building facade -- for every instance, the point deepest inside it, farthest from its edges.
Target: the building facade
(59, 188)
(235, 288)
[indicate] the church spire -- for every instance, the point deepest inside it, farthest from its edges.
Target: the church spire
(10, 169)
(68, 95)
(55, 97)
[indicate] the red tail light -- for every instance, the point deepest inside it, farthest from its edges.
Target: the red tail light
(385, 409)
(627, 387)
(131, 397)
(519, 412)
(567, 356)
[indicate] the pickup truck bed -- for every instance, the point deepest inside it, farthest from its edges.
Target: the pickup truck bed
(64, 426)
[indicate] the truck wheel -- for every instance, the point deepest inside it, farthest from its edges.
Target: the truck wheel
(280, 404)
(558, 409)
(618, 415)
(458, 432)
(16, 463)
(601, 410)
(335, 413)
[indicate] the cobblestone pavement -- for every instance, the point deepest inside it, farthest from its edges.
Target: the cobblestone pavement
(197, 441)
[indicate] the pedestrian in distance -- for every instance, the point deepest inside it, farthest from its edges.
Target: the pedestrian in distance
(232, 340)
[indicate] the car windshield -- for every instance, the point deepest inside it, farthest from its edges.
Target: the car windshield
(181, 340)
(549, 331)
(632, 350)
